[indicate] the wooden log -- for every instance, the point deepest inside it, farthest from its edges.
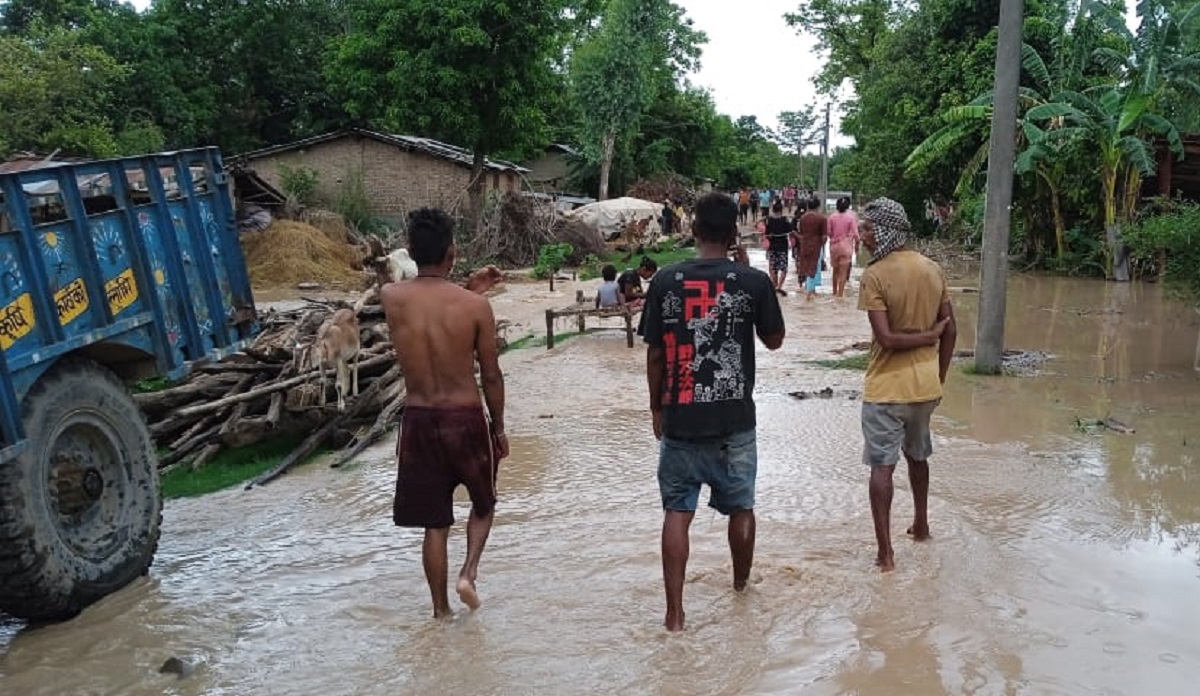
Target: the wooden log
(279, 385)
(313, 441)
(629, 329)
(201, 387)
(199, 427)
(549, 329)
(223, 368)
(197, 441)
(378, 428)
(210, 450)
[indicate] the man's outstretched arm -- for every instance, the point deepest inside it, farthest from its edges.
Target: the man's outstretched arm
(488, 353)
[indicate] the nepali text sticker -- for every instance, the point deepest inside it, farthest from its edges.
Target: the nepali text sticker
(16, 321)
(71, 301)
(121, 291)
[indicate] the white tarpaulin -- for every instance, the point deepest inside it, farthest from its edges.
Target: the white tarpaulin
(610, 217)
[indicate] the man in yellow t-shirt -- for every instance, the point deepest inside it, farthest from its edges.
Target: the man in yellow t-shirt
(912, 323)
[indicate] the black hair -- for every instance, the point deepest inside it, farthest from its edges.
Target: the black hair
(609, 272)
(649, 264)
(843, 204)
(430, 236)
(813, 203)
(715, 218)
(778, 207)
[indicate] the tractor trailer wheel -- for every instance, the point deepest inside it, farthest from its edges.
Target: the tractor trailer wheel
(80, 509)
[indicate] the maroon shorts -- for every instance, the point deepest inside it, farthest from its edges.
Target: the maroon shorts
(439, 449)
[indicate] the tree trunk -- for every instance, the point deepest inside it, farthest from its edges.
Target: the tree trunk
(475, 193)
(993, 282)
(1117, 259)
(606, 158)
(1060, 225)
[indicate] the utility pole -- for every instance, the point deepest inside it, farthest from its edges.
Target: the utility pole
(993, 278)
(825, 158)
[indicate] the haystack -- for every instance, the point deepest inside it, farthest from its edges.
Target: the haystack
(290, 252)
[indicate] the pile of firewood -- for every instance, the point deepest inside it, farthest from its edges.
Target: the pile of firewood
(271, 391)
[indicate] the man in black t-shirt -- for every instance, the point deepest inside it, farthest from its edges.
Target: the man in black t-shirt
(700, 321)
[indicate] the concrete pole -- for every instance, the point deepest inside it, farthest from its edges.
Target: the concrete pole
(825, 158)
(993, 278)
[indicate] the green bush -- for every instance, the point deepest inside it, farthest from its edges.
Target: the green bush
(298, 182)
(551, 257)
(1170, 244)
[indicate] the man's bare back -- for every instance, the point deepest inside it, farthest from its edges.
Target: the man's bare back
(439, 329)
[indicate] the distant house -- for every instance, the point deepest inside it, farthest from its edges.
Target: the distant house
(1174, 177)
(549, 172)
(398, 172)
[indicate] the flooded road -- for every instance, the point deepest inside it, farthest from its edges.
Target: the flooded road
(1064, 561)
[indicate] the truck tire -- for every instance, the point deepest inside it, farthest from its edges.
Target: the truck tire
(80, 509)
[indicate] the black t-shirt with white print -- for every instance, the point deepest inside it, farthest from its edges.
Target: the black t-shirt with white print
(705, 314)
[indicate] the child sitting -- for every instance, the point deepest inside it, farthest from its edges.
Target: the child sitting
(609, 293)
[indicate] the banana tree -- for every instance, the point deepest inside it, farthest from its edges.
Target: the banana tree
(1041, 151)
(1113, 120)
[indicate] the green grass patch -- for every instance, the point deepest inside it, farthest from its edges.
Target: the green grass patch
(149, 386)
(666, 256)
(228, 468)
(524, 342)
(857, 363)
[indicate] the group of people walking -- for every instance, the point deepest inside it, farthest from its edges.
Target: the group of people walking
(700, 322)
(806, 236)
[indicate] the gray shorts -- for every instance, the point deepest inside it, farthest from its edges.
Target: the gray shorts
(889, 429)
(727, 465)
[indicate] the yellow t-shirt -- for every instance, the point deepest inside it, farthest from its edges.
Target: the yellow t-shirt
(911, 288)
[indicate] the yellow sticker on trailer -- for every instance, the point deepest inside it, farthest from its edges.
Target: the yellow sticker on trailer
(121, 291)
(16, 321)
(71, 302)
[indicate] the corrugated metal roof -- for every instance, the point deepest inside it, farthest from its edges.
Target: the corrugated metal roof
(429, 146)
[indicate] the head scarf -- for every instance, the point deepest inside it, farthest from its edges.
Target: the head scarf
(891, 226)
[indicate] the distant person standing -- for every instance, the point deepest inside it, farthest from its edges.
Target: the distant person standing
(843, 242)
(744, 197)
(700, 321)
(755, 198)
(912, 323)
(667, 218)
(812, 231)
(765, 197)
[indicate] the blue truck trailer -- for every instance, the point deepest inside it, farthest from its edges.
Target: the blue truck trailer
(110, 272)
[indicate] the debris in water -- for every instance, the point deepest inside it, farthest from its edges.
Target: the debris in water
(826, 393)
(176, 666)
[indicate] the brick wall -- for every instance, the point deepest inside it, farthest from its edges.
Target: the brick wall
(394, 180)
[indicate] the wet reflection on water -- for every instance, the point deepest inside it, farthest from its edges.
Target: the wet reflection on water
(1063, 561)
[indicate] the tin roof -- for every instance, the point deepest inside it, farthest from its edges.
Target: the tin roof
(411, 143)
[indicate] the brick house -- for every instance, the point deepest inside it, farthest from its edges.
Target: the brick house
(398, 172)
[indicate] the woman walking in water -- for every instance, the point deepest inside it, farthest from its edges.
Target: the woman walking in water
(811, 233)
(843, 242)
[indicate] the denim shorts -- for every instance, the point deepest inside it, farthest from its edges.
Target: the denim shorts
(727, 465)
(889, 429)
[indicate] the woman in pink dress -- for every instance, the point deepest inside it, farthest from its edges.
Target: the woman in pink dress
(843, 242)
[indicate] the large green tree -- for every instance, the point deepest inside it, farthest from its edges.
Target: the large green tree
(640, 48)
(469, 72)
(54, 90)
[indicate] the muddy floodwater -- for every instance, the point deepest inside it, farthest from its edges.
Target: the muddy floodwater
(1065, 559)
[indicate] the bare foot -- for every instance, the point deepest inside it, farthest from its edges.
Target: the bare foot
(918, 533)
(885, 563)
(467, 593)
(442, 614)
(673, 623)
(739, 584)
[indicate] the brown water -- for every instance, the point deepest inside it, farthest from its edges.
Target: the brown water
(1064, 562)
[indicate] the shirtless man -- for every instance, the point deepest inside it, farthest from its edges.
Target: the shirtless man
(439, 330)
